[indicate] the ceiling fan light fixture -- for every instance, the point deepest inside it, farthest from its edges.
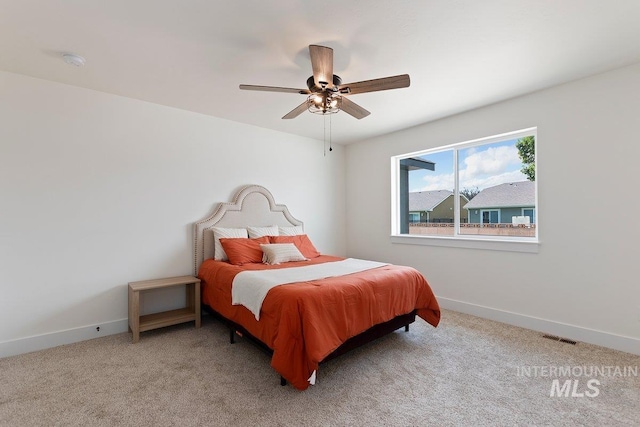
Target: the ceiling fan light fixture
(324, 103)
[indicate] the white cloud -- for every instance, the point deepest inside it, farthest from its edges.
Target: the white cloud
(492, 161)
(493, 180)
(481, 168)
(438, 182)
(490, 167)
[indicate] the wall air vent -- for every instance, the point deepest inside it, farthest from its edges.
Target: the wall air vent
(555, 338)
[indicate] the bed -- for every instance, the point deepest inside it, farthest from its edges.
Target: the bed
(305, 323)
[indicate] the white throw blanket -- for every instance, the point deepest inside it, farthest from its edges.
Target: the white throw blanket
(250, 288)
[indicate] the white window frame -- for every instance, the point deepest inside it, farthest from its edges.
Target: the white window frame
(501, 243)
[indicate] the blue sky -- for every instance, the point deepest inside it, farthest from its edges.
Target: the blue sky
(483, 166)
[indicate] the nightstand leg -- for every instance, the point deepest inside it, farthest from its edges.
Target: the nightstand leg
(134, 314)
(197, 303)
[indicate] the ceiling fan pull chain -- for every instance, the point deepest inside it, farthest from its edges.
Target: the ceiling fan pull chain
(330, 147)
(324, 135)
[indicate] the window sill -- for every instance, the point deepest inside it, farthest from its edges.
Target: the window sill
(469, 243)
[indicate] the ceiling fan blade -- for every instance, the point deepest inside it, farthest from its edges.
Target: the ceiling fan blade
(385, 83)
(322, 65)
(275, 89)
(353, 109)
(296, 111)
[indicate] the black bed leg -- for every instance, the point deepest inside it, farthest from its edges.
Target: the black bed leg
(231, 337)
(283, 382)
(406, 328)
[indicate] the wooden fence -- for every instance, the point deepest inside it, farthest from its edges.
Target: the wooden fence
(446, 229)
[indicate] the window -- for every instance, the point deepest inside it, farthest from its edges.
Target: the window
(490, 216)
(482, 190)
(531, 213)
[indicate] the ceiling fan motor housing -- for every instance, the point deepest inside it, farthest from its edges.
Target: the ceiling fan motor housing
(311, 84)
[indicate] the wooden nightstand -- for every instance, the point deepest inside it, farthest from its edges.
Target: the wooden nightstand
(147, 322)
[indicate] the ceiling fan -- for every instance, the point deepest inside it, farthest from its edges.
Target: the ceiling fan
(326, 92)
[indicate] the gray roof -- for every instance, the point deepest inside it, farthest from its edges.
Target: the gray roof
(510, 194)
(427, 200)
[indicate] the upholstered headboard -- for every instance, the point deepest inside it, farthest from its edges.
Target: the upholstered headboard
(253, 205)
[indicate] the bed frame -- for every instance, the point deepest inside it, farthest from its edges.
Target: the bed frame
(254, 205)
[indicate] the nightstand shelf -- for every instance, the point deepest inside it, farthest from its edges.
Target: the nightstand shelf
(148, 322)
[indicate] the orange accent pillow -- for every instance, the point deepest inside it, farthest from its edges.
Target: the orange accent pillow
(244, 251)
(302, 242)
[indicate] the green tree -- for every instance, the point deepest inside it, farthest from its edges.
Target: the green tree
(527, 151)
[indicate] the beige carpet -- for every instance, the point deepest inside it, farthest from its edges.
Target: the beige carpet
(465, 372)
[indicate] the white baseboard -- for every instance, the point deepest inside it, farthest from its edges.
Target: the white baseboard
(54, 339)
(563, 330)
(576, 333)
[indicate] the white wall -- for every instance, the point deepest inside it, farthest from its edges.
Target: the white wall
(98, 190)
(584, 280)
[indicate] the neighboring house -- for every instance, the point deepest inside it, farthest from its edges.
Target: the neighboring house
(434, 206)
(499, 204)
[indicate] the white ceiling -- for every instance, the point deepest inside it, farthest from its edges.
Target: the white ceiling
(193, 54)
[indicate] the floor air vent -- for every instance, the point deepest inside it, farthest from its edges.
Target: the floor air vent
(555, 338)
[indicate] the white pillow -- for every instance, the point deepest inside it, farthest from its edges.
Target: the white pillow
(255, 232)
(276, 253)
(232, 233)
(290, 231)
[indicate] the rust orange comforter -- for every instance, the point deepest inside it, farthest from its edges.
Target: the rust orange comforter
(304, 322)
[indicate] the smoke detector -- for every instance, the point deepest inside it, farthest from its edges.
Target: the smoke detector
(73, 59)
